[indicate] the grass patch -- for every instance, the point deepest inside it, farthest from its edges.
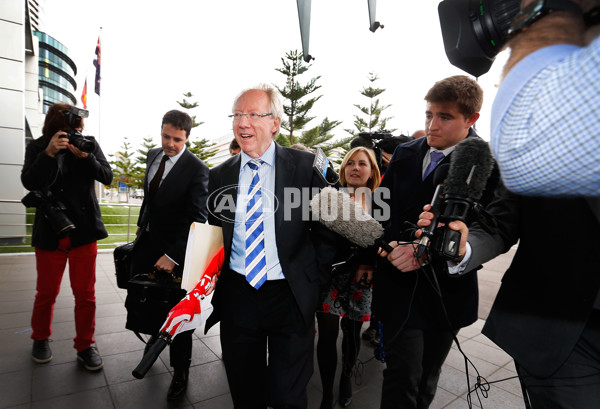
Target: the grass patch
(115, 220)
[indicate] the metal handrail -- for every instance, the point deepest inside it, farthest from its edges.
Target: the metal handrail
(24, 213)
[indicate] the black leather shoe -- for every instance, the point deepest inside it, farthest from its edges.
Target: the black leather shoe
(91, 359)
(41, 352)
(345, 398)
(178, 384)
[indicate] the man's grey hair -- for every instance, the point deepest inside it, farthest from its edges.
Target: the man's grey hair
(275, 98)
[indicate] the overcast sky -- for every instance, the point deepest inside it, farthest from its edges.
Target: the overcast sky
(153, 52)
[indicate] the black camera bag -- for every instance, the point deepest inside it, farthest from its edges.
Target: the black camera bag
(150, 297)
(122, 256)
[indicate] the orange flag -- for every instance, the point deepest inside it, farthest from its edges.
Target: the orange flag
(84, 95)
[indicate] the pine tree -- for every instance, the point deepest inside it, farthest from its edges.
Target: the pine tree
(123, 166)
(200, 148)
(373, 121)
(189, 105)
(148, 144)
(140, 161)
(295, 111)
(320, 136)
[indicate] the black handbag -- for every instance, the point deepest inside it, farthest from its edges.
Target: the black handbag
(122, 256)
(150, 297)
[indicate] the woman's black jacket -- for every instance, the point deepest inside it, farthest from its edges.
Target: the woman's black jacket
(71, 181)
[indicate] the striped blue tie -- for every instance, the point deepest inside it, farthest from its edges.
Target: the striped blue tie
(256, 264)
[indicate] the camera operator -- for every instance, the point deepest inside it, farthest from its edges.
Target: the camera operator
(546, 314)
(56, 171)
(545, 116)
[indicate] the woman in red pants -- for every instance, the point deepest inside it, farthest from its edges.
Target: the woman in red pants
(60, 169)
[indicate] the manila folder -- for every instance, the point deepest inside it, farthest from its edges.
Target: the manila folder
(204, 242)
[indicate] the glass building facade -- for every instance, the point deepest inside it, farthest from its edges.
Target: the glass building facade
(56, 72)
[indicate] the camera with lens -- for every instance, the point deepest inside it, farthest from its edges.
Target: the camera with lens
(475, 31)
(377, 135)
(52, 209)
(74, 115)
(379, 141)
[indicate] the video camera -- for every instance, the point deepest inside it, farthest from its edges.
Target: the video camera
(377, 135)
(474, 31)
(379, 141)
(52, 209)
(83, 143)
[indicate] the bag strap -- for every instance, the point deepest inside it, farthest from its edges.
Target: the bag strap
(137, 334)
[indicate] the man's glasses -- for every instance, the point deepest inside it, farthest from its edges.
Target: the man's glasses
(251, 116)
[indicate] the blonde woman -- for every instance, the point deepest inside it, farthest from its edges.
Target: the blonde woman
(349, 296)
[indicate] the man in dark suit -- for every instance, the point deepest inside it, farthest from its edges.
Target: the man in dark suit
(276, 259)
(417, 334)
(175, 194)
(547, 312)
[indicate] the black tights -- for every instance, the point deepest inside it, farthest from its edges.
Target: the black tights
(327, 348)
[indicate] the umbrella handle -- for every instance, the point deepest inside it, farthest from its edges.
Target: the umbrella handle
(150, 357)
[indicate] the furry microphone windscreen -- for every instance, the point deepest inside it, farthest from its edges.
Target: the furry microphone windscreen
(337, 211)
(470, 168)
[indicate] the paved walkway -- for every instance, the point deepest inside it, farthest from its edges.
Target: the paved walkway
(65, 384)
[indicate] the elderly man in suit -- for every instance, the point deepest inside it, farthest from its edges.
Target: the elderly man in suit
(417, 331)
(276, 259)
(175, 194)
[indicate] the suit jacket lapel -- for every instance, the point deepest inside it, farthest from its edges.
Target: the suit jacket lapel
(175, 171)
(417, 167)
(152, 154)
(284, 173)
(230, 179)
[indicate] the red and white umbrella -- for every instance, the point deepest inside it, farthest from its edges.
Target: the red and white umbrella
(190, 313)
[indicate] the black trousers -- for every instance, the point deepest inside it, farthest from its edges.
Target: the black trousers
(267, 347)
(414, 359)
(180, 350)
(576, 384)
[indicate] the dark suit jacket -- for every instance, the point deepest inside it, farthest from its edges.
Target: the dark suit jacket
(73, 186)
(547, 294)
(179, 201)
(305, 248)
(393, 290)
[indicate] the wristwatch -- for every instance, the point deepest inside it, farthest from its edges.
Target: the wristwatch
(538, 9)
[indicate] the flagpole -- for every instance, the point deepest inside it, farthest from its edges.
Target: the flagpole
(98, 63)
(98, 85)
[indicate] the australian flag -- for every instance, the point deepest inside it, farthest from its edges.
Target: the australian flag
(97, 65)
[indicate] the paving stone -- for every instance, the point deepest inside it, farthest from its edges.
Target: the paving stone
(64, 383)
